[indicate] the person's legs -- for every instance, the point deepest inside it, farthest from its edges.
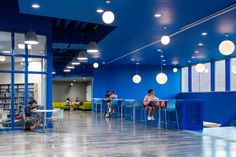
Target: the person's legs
(149, 112)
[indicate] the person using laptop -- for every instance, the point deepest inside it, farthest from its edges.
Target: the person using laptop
(150, 102)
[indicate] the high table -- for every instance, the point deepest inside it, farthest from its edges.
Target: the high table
(44, 117)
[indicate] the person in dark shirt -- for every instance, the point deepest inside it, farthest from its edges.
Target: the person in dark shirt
(32, 120)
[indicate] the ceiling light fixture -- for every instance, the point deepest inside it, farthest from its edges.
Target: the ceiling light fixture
(6, 51)
(196, 51)
(75, 62)
(226, 47)
(35, 6)
(157, 15)
(82, 56)
(189, 61)
(200, 44)
(67, 70)
(70, 66)
(161, 77)
(108, 17)
(108, 1)
(2, 58)
(137, 78)
(95, 65)
(92, 47)
(165, 40)
(204, 33)
(200, 67)
(162, 56)
(31, 38)
(100, 10)
(175, 70)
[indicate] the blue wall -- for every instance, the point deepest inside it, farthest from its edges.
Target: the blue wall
(119, 78)
(218, 106)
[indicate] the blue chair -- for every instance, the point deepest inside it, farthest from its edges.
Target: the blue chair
(169, 110)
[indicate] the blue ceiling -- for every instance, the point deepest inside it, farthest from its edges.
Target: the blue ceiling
(136, 27)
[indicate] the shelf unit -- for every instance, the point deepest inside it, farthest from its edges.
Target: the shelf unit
(5, 94)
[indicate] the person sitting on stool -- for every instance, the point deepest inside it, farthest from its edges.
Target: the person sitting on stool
(148, 103)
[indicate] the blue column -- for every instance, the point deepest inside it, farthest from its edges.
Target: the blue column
(12, 81)
(26, 75)
(227, 74)
(189, 78)
(212, 76)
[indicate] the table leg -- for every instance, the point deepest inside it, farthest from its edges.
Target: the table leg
(101, 108)
(121, 115)
(159, 118)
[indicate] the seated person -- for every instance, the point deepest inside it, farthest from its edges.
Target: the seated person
(148, 102)
(113, 95)
(32, 120)
(69, 103)
(77, 102)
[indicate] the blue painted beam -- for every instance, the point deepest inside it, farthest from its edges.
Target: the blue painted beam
(58, 22)
(76, 25)
(66, 24)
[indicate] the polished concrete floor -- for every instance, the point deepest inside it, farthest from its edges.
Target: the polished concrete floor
(90, 135)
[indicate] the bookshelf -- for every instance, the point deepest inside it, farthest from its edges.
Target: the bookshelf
(5, 94)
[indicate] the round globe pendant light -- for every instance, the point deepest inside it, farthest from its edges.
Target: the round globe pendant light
(95, 65)
(165, 40)
(137, 78)
(175, 70)
(200, 67)
(31, 38)
(226, 47)
(2, 58)
(92, 47)
(161, 78)
(108, 17)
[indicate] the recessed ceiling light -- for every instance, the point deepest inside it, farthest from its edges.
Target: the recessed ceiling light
(108, 1)
(74, 80)
(165, 27)
(193, 57)
(200, 44)
(204, 33)
(159, 50)
(35, 6)
(162, 56)
(132, 59)
(84, 78)
(189, 61)
(163, 60)
(53, 73)
(164, 64)
(157, 15)
(137, 63)
(226, 35)
(100, 10)
(103, 62)
(196, 51)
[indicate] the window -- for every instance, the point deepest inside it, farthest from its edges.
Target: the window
(184, 79)
(233, 74)
(195, 80)
(205, 79)
(220, 75)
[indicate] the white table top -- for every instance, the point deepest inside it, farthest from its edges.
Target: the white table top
(41, 111)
